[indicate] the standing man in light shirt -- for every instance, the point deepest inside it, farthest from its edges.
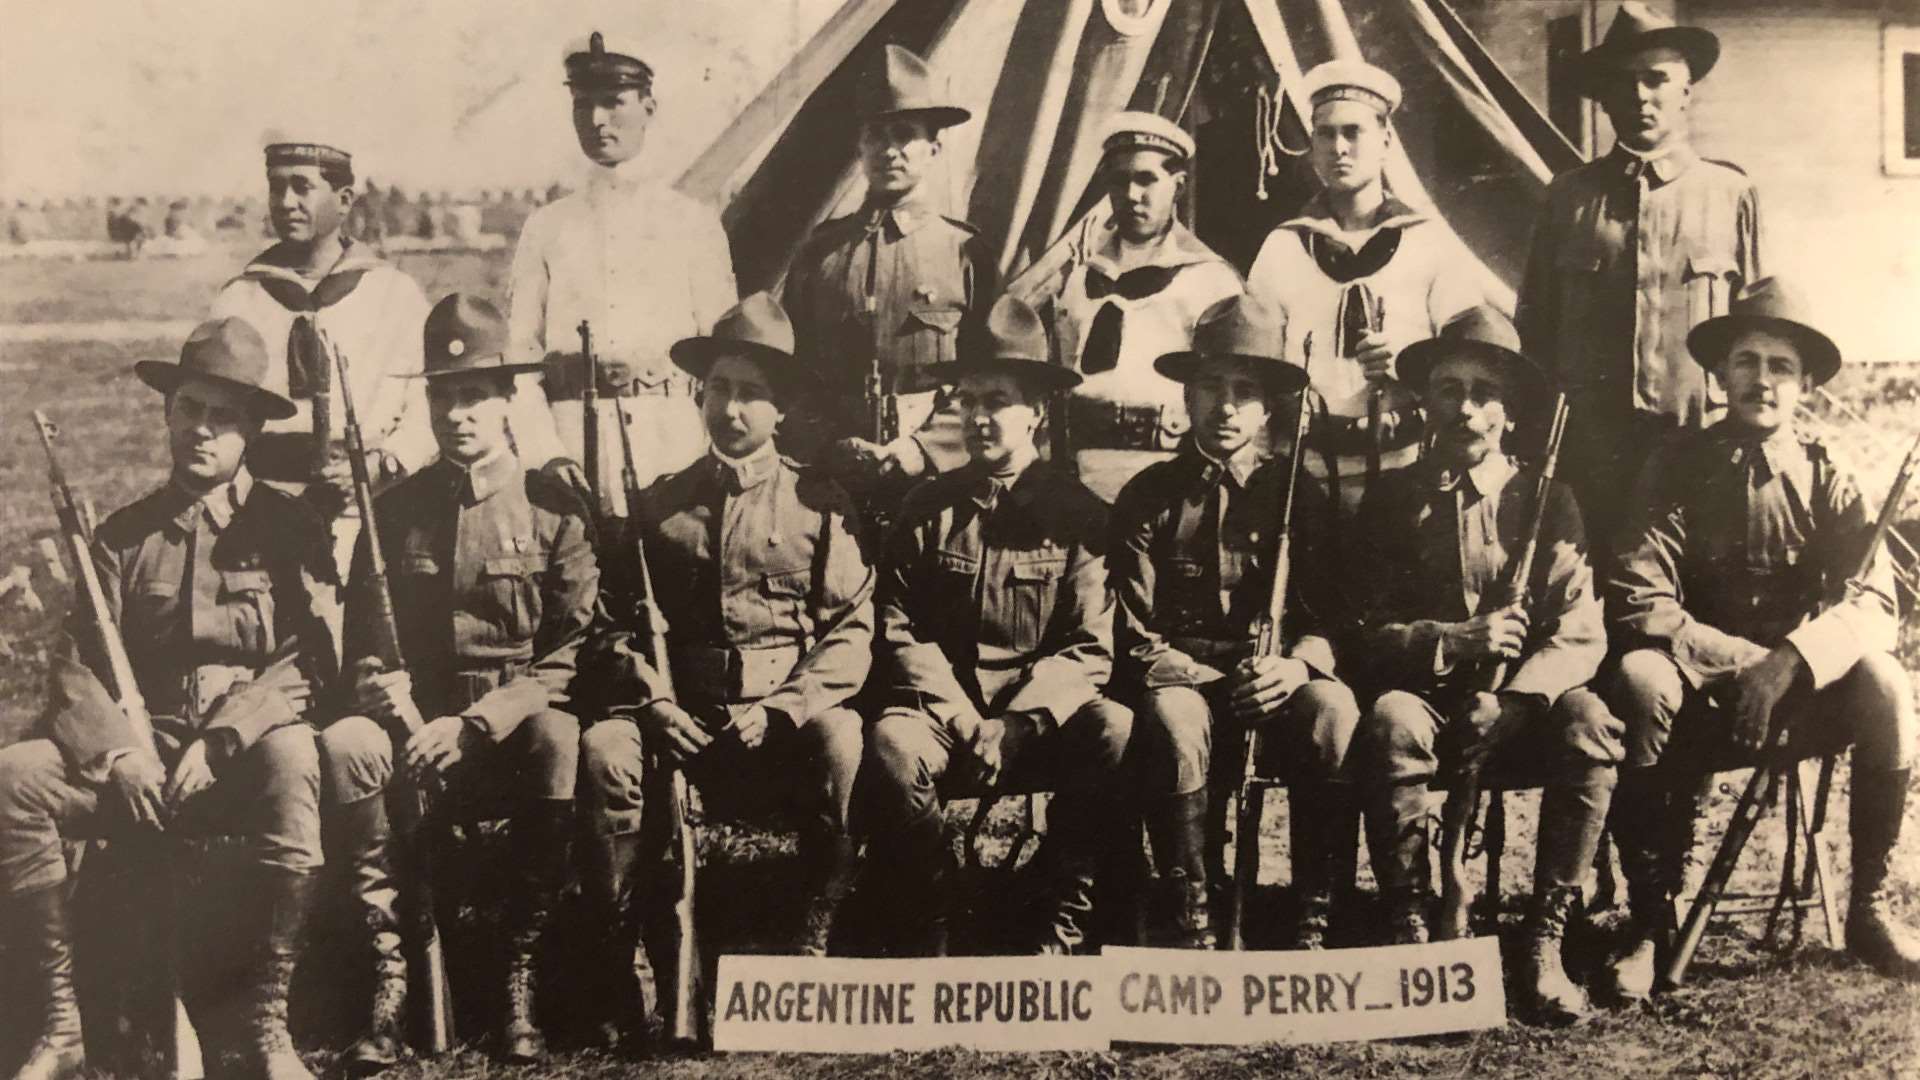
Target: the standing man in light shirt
(318, 284)
(641, 263)
(1363, 274)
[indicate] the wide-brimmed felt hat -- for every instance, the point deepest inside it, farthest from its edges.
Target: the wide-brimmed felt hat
(756, 329)
(466, 335)
(229, 352)
(1774, 306)
(900, 84)
(1480, 332)
(1237, 328)
(1635, 27)
(1012, 339)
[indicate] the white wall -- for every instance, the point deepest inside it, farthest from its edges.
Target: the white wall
(1796, 102)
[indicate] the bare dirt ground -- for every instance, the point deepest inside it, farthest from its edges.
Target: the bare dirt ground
(1749, 1011)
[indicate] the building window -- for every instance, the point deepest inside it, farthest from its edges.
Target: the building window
(1900, 108)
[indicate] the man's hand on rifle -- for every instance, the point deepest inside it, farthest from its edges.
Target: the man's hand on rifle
(1484, 722)
(901, 457)
(442, 744)
(387, 696)
(672, 732)
(192, 774)
(998, 743)
(1497, 635)
(750, 726)
(331, 490)
(1376, 354)
(1757, 690)
(138, 777)
(1260, 684)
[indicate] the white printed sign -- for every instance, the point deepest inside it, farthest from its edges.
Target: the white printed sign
(1233, 998)
(839, 1005)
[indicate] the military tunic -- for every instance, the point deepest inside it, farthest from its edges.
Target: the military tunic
(769, 601)
(1191, 563)
(1744, 542)
(993, 601)
(1628, 256)
(218, 600)
(1436, 546)
(494, 587)
(924, 274)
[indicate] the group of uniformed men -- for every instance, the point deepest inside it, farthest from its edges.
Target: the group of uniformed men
(1005, 632)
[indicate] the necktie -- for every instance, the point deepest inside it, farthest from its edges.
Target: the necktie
(1102, 349)
(308, 372)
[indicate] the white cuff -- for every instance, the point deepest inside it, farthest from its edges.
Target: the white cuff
(1829, 646)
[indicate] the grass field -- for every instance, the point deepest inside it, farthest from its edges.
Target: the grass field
(1749, 1012)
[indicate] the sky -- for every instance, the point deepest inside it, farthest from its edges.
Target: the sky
(128, 97)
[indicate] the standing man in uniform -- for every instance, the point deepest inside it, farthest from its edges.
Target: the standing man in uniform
(1631, 252)
(319, 287)
(1362, 275)
(639, 262)
(1438, 538)
(1136, 292)
(214, 581)
(887, 285)
(769, 604)
(1191, 563)
(1736, 591)
(494, 586)
(996, 636)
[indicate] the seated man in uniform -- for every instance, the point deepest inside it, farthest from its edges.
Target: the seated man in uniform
(1192, 562)
(769, 603)
(996, 636)
(494, 586)
(216, 582)
(1740, 593)
(1437, 539)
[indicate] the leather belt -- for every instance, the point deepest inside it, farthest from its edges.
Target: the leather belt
(1212, 650)
(1112, 425)
(722, 676)
(203, 687)
(565, 379)
(470, 684)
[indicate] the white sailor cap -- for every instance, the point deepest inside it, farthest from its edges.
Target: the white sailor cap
(1353, 80)
(1146, 131)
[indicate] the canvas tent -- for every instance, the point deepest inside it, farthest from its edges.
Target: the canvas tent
(1041, 76)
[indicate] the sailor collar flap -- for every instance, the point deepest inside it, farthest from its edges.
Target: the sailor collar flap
(1317, 217)
(1178, 249)
(297, 293)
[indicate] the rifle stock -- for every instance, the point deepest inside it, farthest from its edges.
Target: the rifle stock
(1456, 815)
(435, 1001)
(76, 536)
(1763, 786)
(1267, 641)
(686, 1019)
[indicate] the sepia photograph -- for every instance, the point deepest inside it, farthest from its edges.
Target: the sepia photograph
(608, 539)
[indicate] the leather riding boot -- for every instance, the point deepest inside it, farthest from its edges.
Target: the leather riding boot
(1069, 904)
(283, 898)
(831, 861)
(40, 919)
(611, 860)
(363, 837)
(1641, 828)
(539, 841)
(1318, 830)
(917, 861)
(1546, 991)
(1406, 907)
(1177, 829)
(1398, 837)
(1879, 802)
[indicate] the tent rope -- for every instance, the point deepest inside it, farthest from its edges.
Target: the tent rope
(1269, 112)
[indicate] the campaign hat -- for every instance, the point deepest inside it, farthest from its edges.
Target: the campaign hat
(229, 352)
(901, 84)
(1775, 306)
(594, 64)
(1481, 332)
(1012, 339)
(465, 335)
(1239, 328)
(756, 328)
(1637, 26)
(1352, 80)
